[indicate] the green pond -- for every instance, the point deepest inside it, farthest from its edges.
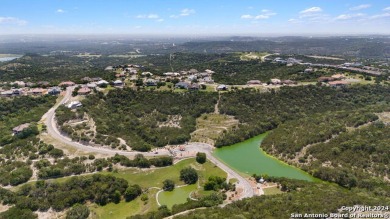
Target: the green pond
(177, 196)
(247, 157)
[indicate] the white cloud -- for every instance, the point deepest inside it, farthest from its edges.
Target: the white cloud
(380, 16)
(60, 11)
(186, 12)
(183, 13)
(12, 20)
(311, 10)
(348, 16)
(148, 16)
(265, 14)
(160, 20)
(246, 16)
(360, 7)
(387, 9)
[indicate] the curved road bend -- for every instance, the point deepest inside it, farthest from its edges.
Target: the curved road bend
(53, 131)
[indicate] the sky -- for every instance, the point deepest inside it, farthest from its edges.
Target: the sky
(195, 17)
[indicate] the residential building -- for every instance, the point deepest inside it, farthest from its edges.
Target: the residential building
(253, 82)
(222, 87)
(74, 105)
(84, 91)
(182, 85)
(66, 84)
(118, 83)
(54, 91)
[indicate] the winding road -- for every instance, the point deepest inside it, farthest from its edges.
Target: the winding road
(49, 119)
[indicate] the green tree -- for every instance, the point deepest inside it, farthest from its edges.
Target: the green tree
(132, 192)
(189, 175)
(201, 157)
(78, 212)
(168, 185)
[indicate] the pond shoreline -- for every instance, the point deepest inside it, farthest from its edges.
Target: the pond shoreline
(249, 158)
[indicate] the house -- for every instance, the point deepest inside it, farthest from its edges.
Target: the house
(338, 76)
(193, 71)
(74, 104)
(102, 83)
(338, 83)
(308, 70)
(120, 75)
(209, 71)
(66, 84)
(253, 82)
(276, 81)
(151, 82)
(193, 87)
(54, 91)
(84, 91)
(222, 87)
(182, 85)
(18, 129)
(146, 73)
(288, 82)
(17, 92)
(109, 68)
(37, 91)
(91, 85)
(192, 77)
(30, 84)
(19, 83)
(207, 80)
(96, 79)
(7, 93)
(118, 83)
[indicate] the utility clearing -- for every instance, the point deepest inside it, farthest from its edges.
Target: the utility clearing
(210, 126)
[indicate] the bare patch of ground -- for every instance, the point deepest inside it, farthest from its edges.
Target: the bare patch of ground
(325, 57)
(4, 208)
(51, 214)
(384, 117)
(210, 126)
(172, 121)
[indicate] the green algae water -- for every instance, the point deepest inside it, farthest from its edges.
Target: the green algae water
(177, 196)
(247, 157)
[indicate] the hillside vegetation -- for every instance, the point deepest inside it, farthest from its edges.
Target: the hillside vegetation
(259, 112)
(145, 119)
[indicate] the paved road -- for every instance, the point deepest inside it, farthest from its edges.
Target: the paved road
(53, 131)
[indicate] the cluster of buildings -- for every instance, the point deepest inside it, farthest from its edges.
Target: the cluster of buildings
(13, 92)
(288, 61)
(191, 79)
(336, 80)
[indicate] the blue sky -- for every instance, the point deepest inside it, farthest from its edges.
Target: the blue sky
(195, 17)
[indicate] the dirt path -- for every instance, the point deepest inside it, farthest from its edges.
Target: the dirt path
(216, 108)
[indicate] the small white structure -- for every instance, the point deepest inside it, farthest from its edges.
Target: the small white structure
(102, 82)
(118, 83)
(74, 105)
(222, 87)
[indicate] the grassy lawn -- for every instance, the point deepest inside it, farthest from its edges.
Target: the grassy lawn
(111, 210)
(210, 126)
(252, 55)
(154, 177)
(272, 191)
